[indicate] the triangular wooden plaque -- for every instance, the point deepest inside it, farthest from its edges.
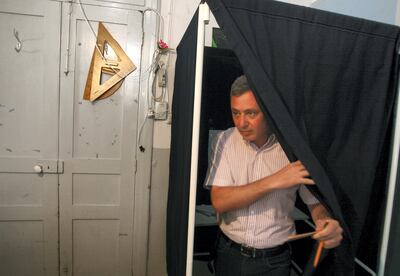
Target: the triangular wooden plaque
(123, 66)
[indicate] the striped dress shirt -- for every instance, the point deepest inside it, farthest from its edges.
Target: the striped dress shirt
(234, 162)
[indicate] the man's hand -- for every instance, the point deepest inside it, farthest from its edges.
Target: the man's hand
(293, 174)
(328, 231)
(234, 197)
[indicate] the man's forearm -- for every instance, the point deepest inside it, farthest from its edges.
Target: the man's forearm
(234, 197)
(230, 198)
(318, 212)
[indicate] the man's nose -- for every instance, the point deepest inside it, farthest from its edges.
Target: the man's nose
(242, 121)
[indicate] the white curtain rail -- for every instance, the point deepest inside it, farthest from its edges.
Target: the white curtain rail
(204, 17)
(394, 164)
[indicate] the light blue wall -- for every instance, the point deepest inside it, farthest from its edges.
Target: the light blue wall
(378, 10)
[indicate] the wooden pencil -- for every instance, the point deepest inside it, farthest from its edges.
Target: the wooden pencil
(301, 236)
(318, 254)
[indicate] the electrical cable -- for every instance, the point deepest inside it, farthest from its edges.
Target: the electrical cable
(161, 21)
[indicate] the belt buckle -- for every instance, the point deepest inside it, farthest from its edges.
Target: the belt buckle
(247, 251)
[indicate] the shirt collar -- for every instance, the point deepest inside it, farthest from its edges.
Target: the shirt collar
(269, 143)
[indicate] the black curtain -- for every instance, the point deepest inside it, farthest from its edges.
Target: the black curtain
(181, 146)
(393, 254)
(327, 84)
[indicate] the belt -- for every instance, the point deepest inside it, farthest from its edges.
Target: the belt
(252, 252)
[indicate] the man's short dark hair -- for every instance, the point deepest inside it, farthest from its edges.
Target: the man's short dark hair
(239, 86)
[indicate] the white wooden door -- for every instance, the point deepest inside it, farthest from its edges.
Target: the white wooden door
(97, 145)
(29, 137)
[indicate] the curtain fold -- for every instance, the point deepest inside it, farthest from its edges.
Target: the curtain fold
(181, 147)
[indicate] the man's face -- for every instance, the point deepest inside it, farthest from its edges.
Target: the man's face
(249, 119)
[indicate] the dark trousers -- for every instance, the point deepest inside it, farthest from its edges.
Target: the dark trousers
(231, 262)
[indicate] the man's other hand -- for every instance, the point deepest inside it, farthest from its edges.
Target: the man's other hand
(328, 231)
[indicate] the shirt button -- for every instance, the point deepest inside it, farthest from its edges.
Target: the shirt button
(252, 212)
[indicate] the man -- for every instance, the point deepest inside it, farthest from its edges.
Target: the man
(253, 190)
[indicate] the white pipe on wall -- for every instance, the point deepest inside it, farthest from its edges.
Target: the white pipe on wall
(394, 165)
(204, 17)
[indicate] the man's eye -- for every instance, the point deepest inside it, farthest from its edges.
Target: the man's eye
(252, 114)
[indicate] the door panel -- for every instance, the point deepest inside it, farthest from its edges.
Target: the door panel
(22, 243)
(28, 135)
(102, 235)
(97, 145)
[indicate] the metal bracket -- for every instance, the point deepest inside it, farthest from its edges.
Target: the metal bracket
(49, 166)
(18, 46)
